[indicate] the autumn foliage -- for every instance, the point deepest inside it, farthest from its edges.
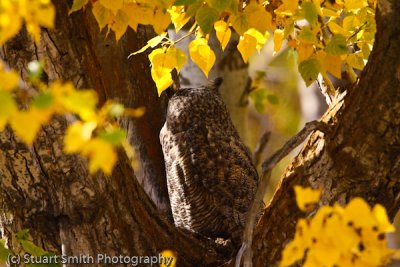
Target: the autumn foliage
(329, 38)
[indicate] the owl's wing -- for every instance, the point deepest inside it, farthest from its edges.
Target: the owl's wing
(192, 206)
(211, 180)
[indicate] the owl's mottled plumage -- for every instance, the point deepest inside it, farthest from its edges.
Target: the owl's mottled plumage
(211, 178)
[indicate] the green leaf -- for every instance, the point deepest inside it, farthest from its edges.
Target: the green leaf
(309, 70)
(184, 2)
(206, 17)
(310, 12)
(192, 9)
(115, 136)
(234, 4)
(78, 4)
(4, 252)
(259, 97)
(241, 23)
(43, 100)
(219, 5)
(31, 248)
(273, 99)
(307, 35)
(22, 235)
(337, 45)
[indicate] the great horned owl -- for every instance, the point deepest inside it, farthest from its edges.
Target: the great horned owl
(211, 178)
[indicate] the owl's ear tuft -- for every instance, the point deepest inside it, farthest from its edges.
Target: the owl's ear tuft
(216, 83)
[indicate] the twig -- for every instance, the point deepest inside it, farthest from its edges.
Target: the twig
(265, 177)
(244, 98)
(190, 32)
(260, 147)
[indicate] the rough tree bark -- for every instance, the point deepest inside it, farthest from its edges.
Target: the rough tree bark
(361, 154)
(53, 195)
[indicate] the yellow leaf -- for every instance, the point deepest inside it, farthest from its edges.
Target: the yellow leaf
(8, 80)
(10, 24)
(164, 60)
(26, 124)
(153, 42)
(358, 213)
(120, 24)
(77, 5)
(163, 79)
(305, 50)
(355, 61)
(278, 39)
(240, 23)
(101, 14)
(306, 35)
(247, 45)
(101, 155)
(179, 55)
(162, 64)
(223, 33)
(144, 15)
(350, 236)
(131, 10)
(37, 13)
(258, 17)
(135, 112)
(77, 135)
(156, 52)
(8, 107)
(331, 63)
(336, 29)
(46, 15)
(202, 55)
(34, 30)
(381, 216)
(328, 12)
(291, 5)
(291, 254)
(82, 102)
(351, 23)
(306, 197)
(178, 17)
(113, 5)
(261, 39)
(169, 258)
(288, 8)
(251, 40)
(352, 5)
(161, 21)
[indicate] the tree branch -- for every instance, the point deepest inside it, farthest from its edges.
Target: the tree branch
(267, 167)
(360, 156)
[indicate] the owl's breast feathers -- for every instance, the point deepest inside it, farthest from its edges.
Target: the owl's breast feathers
(211, 178)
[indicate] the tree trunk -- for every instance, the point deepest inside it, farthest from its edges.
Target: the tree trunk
(53, 195)
(360, 156)
(77, 51)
